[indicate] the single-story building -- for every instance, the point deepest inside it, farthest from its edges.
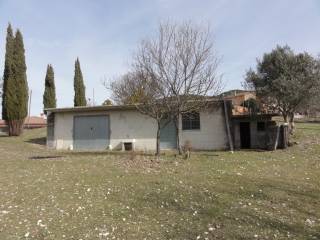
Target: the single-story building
(125, 128)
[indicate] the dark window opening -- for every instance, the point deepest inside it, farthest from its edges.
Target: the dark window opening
(191, 121)
(245, 135)
(261, 126)
(128, 146)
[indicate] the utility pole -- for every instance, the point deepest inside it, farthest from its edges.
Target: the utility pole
(226, 114)
(30, 96)
(93, 103)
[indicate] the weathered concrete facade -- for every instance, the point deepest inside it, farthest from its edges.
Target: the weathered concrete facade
(252, 132)
(212, 134)
(127, 124)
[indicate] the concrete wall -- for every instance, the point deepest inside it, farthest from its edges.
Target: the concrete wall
(212, 134)
(131, 124)
(258, 138)
(123, 125)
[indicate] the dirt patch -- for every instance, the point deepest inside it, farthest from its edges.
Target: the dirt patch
(139, 162)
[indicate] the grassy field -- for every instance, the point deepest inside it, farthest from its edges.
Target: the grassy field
(47, 194)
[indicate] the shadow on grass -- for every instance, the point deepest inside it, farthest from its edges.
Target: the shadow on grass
(274, 224)
(106, 152)
(253, 150)
(309, 128)
(317, 121)
(306, 192)
(205, 154)
(40, 141)
(213, 209)
(44, 157)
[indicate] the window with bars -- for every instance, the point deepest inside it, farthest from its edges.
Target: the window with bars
(191, 121)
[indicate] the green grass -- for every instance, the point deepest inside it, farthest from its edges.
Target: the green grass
(46, 194)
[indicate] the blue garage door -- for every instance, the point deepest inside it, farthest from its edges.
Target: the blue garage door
(91, 132)
(168, 138)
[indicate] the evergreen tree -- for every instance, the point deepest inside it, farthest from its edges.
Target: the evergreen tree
(79, 88)
(49, 96)
(17, 89)
(285, 81)
(8, 74)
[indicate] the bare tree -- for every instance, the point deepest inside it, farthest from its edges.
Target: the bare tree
(181, 59)
(126, 89)
(144, 92)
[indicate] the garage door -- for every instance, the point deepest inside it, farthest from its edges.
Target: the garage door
(91, 132)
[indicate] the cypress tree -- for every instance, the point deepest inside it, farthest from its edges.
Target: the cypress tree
(79, 88)
(8, 74)
(17, 89)
(49, 96)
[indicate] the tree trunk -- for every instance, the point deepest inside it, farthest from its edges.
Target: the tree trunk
(15, 127)
(285, 117)
(178, 142)
(176, 124)
(158, 140)
(291, 123)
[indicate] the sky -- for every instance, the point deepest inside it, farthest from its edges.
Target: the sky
(104, 34)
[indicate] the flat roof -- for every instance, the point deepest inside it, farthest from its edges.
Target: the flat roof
(91, 108)
(103, 108)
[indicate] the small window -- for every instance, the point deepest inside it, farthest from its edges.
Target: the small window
(191, 121)
(128, 146)
(261, 126)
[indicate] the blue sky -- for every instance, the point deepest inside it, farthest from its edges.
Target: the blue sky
(104, 34)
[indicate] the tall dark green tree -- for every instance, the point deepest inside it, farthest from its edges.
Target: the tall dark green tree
(79, 88)
(16, 99)
(285, 81)
(49, 96)
(8, 71)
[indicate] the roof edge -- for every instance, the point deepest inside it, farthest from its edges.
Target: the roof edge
(103, 108)
(91, 108)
